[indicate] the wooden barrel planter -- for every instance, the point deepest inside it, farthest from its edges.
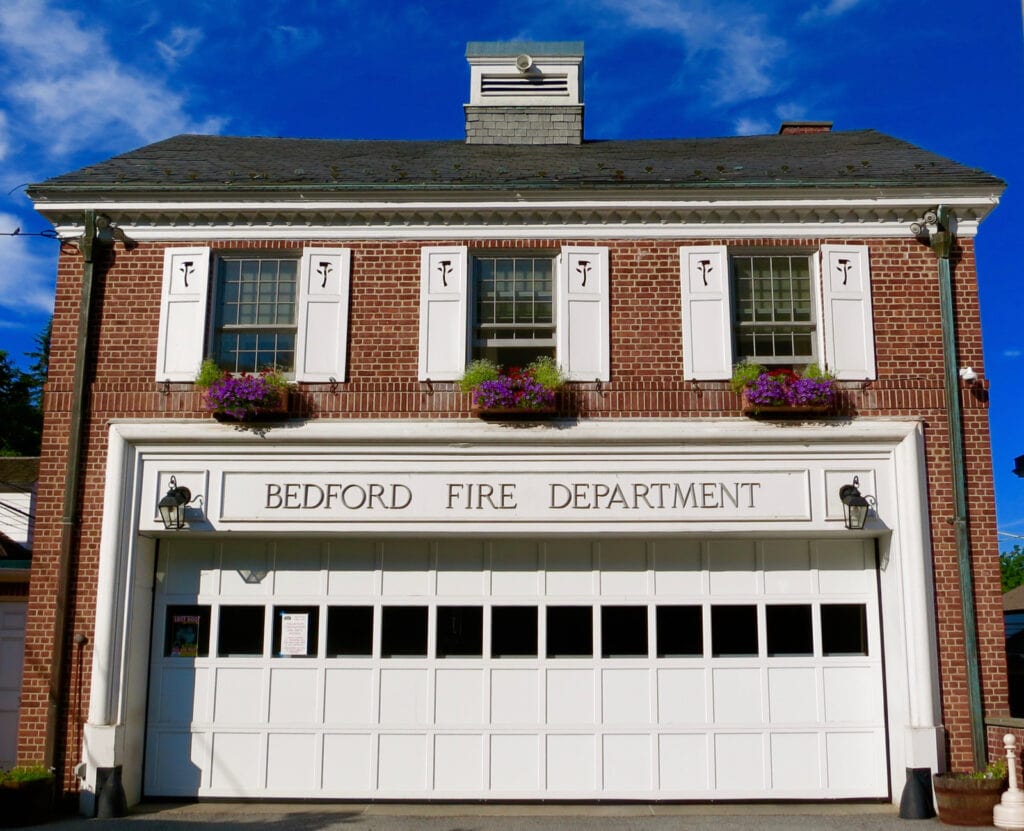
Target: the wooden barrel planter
(961, 800)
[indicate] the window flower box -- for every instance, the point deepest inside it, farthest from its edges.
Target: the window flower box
(781, 392)
(244, 397)
(513, 395)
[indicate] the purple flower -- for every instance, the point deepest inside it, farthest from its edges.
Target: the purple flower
(241, 396)
(513, 392)
(768, 391)
(810, 391)
(781, 389)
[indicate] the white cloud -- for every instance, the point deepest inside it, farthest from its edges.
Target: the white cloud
(181, 43)
(751, 127)
(27, 269)
(833, 8)
(731, 50)
(1011, 353)
(790, 112)
(67, 89)
(4, 143)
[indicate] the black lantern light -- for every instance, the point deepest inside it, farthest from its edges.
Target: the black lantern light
(172, 506)
(855, 506)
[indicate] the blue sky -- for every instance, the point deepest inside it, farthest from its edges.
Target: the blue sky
(80, 82)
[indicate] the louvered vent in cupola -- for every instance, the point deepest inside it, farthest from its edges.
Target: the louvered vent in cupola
(533, 84)
(525, 92)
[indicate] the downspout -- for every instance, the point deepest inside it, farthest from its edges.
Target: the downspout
(941, 241)
(98, 236)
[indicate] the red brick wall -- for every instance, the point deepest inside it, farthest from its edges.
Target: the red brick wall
(646, 354)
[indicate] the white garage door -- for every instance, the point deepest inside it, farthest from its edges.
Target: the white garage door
(516, 669)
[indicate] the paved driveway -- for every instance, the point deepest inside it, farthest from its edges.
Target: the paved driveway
(218, 816)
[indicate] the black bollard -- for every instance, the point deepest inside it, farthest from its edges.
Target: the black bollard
(110, 799)
(916, 802)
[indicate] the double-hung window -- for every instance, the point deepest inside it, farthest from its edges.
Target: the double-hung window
(256, 312)
(513, 308)
(774, 309)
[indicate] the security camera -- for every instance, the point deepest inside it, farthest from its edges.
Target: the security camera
(524, 63)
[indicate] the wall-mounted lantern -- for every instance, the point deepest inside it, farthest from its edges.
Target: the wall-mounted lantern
(172, 506)
(855, 506)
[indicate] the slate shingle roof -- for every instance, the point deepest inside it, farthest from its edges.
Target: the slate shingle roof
(835, 159)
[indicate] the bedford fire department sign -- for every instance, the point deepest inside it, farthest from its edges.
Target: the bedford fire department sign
(458, 497)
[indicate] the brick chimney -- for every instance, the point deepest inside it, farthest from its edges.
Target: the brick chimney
(796, 128)
(525, 92)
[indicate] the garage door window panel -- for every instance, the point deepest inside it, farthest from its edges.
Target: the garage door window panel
(514, 632)
(460, 631)
(734, 631)
(240, 631)
(789, 631)
(624, 632)
(570, 632)
(844, 629)
(290, 624)
(680, 631)
(187, 632)
(403, 632)
(349, 631)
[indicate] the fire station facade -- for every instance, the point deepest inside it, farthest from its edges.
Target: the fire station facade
(649, 596)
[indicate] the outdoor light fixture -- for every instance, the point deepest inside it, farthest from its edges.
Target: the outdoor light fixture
(855, 506)
(172, 506)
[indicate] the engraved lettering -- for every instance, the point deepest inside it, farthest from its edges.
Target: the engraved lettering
(273, 497)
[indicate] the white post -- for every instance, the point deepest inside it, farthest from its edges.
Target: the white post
(1009, 813)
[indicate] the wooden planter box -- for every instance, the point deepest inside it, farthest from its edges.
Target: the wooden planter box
(782, 410)
(260, 414)
(515, 413)
(962, 801)
(26, 803)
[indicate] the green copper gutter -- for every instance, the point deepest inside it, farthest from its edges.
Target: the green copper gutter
(942, 244)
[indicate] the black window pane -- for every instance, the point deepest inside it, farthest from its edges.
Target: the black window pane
(680, 631)
(349, 631)
(789, 630)
(460, 631)
(187, 632)
(514, 632)
(403, 631)
(733, 631)
(624, 631)
(290, 624)
(570, 632)
(240, 631)
(844, 629)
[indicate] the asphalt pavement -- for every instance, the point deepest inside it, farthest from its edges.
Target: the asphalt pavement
(222, 816)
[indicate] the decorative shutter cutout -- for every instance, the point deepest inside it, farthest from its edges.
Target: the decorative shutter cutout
(443, 313)
(582, 325)
(183, 301)
(847, 319)
(321, 341)
(707, 313)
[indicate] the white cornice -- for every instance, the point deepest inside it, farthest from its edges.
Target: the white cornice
(518, 218)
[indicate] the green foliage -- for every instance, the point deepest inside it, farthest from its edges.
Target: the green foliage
(744, 374)
(817, 373)
(21, 420)
(1011, 567)
(209, 373)
(26, 773)
(477, 372)
(546, 372)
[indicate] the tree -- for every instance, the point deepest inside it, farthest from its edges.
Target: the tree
(1011, 566)
(41, 363)
(21, 419)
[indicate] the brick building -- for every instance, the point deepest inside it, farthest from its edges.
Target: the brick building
(650, 596)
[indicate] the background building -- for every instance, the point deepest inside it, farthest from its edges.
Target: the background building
(652, 596)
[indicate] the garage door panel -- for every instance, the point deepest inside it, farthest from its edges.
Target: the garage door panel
(846, 773)
(293, 696)
(190, 569)
(739, 763)
(787, 567)
(569, 568)
(515, 697)
(515, 568)
(459, 697)
(737, 696)
(849, 695)
(353, 568)
(796, 763)
(571, 764)
(238, 696)
(405, 568)
(459, 763)
(678, 568)
(239, 562)
(683, 764)
(348, 696)
(844, 567)
(298, 568)
(292, 763)
(682, 696)
(402, 763)
(732, 567)
(460, 569)
(623, 567)
(180, 696)
(570, 697)
(626, 696)
(626, 764)
(348, 763)
(515, 763)
(793, 695)
(175, 762)
(236, 766)
(403, 696)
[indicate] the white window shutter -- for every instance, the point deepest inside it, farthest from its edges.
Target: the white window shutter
(582, 323)
(182, 313)
(321, 341)
(444, 315)
(847, 318)
(707, 313)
